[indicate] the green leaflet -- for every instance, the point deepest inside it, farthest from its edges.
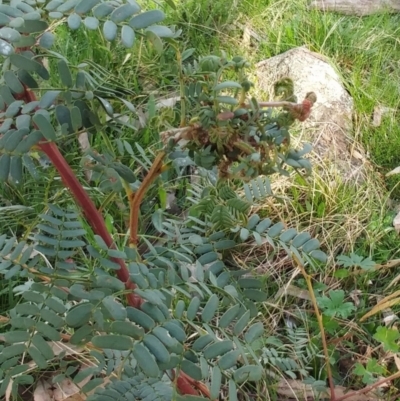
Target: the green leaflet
(16, 336)
(127, 36)
(66, 6)
(37, 357)
(254, 332)
(112, 341)
(210, 308)
(224, 244)
(29, 65)
(154, 312)
(102, 10)
(145, 360)
(287, 235)
(202, 342)
(218, 348)
(65, 73)
(232, 390)
(147, 18)
(311, 245)
(229, 360)
(300, 239)
(171, 343)
(45, 127)
(115, 309)
(82, 335)
(228, 316)
(175, 330)
(128, 329)
(248, 373)
(13, 82)
(226, 85)
(248, 282)
(192, 369)
(263, 225)
(110, 30)
(48, 331)
(85, 6)
(241, 323)
(193, 308)
(276, 229)
(79, 315)
(157, 348)
(5, 160)
(140, 318)
(255, 295)
(179, 308)
(124, 12)
(216, 380)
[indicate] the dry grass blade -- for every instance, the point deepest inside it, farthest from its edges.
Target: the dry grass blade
(385, 303)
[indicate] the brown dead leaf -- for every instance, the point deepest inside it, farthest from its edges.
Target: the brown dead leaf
(43, 391)
(67, 388)
(46, 390)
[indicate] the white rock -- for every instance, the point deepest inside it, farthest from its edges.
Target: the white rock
(329, 128)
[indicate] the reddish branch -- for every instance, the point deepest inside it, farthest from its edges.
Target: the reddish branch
(135, 199)
(92, 215)
(299, 111)
(185, 384)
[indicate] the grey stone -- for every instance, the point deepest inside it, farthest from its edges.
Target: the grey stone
(329, 128)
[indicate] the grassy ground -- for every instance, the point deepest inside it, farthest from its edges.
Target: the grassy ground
(366, 52)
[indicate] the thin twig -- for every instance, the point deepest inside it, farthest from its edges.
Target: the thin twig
(320, 324)
(275, 104)
(137, 197)
(175, 133)
(369, 388)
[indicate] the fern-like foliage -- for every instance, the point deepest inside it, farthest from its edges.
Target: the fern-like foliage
(221, 220)
(180, 325)
(137, 388)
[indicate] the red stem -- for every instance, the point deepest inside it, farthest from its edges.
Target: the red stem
(93, 216)
(90, 212)
(96, 221)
